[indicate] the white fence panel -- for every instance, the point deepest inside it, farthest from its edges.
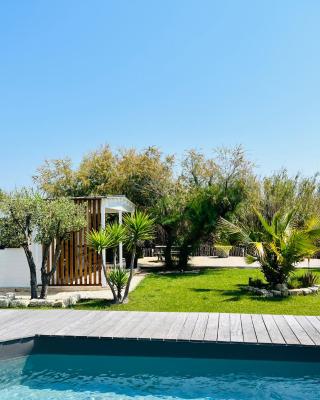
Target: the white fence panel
(14, 270)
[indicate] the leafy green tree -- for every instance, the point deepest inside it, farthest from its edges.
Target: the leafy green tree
(167, 213)
(56, 219)
(56, 178)
(140, 175)
(202, 213)
(277, 246)
(18, 222)
(27, 218)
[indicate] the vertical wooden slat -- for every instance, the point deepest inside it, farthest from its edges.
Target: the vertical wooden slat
(94, 215)
(66, 264)
(89, 250)
(80, 249)
(76, 257)
(52, 254)
(99, 255)
(71, 258)
(85, 252)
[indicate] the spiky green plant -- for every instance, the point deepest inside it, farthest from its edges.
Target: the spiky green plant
(102, 240)
(118, 278)
(139, 228)
(277, 246)
(119, 234)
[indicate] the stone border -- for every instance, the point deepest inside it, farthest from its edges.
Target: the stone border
(283, 291)
(10, 300)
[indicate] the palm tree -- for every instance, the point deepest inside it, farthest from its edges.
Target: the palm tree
(100, 241)
(277, 246)
(118, 233)
(139, 228)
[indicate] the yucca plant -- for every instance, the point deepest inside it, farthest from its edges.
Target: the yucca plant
(139, 228)
(118, 278)
(119, 234)
(277, 246)
(100, 241)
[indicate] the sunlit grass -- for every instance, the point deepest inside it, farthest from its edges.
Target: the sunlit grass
(214, 290)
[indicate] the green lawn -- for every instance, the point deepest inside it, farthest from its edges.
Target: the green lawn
(215, 290)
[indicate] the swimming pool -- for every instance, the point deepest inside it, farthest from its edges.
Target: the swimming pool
(92, 377)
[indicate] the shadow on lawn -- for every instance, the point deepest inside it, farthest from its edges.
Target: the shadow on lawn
(238, 294)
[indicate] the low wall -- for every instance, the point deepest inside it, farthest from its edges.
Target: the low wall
(14, 269)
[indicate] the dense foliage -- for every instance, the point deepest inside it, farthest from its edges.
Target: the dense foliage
(277, 246)
(185, 196)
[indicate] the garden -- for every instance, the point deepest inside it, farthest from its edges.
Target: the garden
(216, 200)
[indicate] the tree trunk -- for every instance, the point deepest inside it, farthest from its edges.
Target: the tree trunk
(183, 257)
(46, 276)
(126, 292)
(167, 256)
(33, 272)
(114, 294)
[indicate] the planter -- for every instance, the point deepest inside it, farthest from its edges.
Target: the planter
(222, 251)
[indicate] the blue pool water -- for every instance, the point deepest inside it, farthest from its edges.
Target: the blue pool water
(56, 377)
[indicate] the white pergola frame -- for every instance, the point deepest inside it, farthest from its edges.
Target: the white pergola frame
(115, 205)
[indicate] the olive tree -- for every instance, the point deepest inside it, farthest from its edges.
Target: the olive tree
(56, 220)
(27, 218)
(18, 222)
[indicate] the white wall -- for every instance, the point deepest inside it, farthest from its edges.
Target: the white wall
(14, 269)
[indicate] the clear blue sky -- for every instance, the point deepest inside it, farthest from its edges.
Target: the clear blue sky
(178, 74)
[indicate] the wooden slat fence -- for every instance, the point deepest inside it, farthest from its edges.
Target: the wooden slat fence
(78, 264)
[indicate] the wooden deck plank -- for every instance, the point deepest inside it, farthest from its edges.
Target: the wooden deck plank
(260, 329)
(164, 328)
(137, 325)
(286, 331)
(102, 327)
(72, 323)
(224, 328)
(273, 330)
(297, 329)
(115, 330)
(154, 326)
(176, 326)
(255, 328)
(236, 334)
(309, 329)
(211, 333)
(188, 326)
(315, 322)
(200, 327)
(249, 334)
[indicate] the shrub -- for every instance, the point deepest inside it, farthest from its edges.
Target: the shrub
(308, 279)
(118, 278)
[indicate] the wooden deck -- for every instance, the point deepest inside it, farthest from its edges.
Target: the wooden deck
(207, 327)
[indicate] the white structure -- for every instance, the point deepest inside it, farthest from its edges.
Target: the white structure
(14, 270)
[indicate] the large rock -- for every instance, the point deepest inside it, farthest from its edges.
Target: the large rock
(21, 303)
(60, 304)
(4, 303)
(41, 303)
(295, 292)
(281, 286)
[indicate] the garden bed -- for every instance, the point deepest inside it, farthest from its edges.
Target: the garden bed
(283, 292)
